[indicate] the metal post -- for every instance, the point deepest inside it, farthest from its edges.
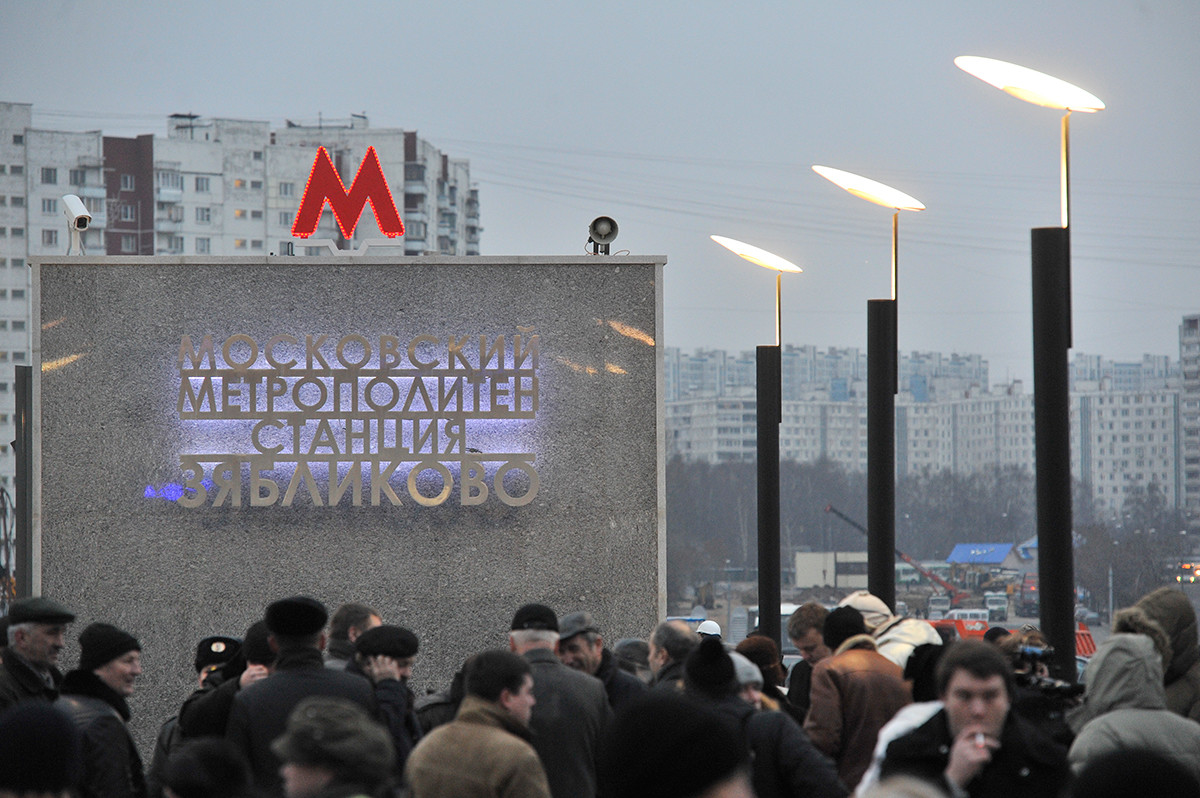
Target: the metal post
(24, 485)
(1052, 442)
(881, 449)
(769, 382)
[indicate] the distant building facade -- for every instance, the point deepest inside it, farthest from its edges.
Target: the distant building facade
(1189, 362)
(1129, 421)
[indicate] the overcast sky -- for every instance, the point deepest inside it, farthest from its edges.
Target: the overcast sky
(681, 119)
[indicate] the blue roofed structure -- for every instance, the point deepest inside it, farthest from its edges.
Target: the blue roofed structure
(980, 553)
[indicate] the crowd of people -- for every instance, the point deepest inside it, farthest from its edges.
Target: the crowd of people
(305, 705)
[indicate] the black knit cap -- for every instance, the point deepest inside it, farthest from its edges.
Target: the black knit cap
(39, 609)
(216, 650)
(298, 616)
(101, 643)
(535, 616)
(40, 750)
(666, 745)
(842, 624)
(390, 641)
(709, 668)
(255, 647)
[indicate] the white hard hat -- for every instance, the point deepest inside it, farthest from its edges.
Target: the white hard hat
(709, 628)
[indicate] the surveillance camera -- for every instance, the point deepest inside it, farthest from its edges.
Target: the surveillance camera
(76, 212)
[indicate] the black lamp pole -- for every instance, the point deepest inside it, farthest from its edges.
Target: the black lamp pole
(881, 449)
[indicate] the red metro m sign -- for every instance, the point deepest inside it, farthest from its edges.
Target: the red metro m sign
(325, 185)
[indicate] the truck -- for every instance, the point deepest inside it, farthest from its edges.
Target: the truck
(997, 606)
(1028, 603)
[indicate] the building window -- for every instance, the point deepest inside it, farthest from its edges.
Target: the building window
(256, 244)
(256, 214)
(285, 218)
(17, 169)
(18, 202)
(16, 262)
(315, 250)
(239, 183)
(18, 293)
(239, 243)
(18, 324)
(49, 175)
(203, 246)
(257, 155)
(49, 238)
(128, 212)
(3, 200)
(49, 206)
(18, 138)
(256, 185)
(78, 177)
(176, 244)
(128, 243)
(287, 189)
(239, 213)
(203, 215)
(202, 185)
(127, 183)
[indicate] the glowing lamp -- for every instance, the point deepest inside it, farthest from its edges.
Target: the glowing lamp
(878, 193)
(755, 255)
(1029, 84)
(1040, 89)
(870, 190)
(767, 260)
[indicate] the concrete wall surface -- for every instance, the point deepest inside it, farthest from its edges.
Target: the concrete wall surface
(182, 489)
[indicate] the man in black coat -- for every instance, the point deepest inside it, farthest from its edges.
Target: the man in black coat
(35, 637)
(784, 761)
(580, 646)
(671, 643)
(94, 697)
(571, 710)
(975, 746)
(260, 710)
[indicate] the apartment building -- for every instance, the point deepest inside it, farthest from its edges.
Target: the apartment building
(219, 186)
(1128, 421)
(1189, 418)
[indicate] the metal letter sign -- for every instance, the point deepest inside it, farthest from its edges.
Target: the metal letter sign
(325, 185)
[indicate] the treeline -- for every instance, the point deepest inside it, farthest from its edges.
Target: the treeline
(712, 520)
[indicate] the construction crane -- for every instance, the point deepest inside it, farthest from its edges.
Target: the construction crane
(957, 595)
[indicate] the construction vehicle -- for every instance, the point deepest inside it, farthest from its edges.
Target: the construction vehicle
(956, 595)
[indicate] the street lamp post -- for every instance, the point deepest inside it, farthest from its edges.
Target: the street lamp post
(769, 413)
(882, 375)
(1051, 269)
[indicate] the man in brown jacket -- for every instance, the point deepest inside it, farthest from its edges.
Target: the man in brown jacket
(854, 692)
(484, 752)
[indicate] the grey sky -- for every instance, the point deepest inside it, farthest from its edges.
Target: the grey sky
(682, 119)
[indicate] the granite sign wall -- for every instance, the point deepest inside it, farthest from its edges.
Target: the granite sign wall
(444, 439)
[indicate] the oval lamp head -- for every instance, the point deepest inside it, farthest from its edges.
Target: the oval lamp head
(755, 255)
(870, 190)
(1030, 85)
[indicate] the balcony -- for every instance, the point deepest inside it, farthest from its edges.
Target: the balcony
(168, 194)
(90, 192)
